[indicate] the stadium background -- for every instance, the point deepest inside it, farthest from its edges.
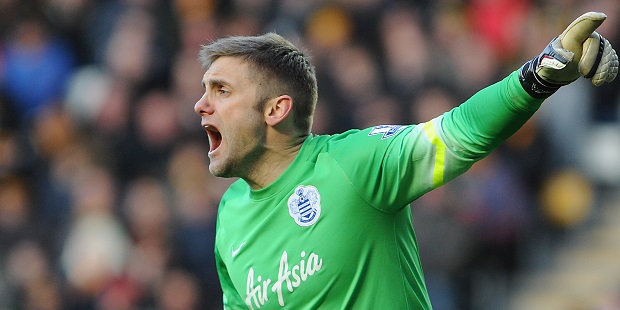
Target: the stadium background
(106, 201)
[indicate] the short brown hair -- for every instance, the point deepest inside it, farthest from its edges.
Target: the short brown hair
(284, 67)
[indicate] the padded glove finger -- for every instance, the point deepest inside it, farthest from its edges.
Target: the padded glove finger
(599, 61)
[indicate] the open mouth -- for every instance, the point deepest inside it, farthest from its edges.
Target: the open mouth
(215, 138)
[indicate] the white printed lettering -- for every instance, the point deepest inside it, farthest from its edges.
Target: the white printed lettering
(284, 273)
(315, 262)
(304, 275)
(265, 286)
(257, 296)
(295, 274)
(254, 294)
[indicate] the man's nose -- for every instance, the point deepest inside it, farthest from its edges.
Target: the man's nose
(203, 106)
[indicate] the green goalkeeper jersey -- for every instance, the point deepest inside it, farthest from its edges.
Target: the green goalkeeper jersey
(334, 230)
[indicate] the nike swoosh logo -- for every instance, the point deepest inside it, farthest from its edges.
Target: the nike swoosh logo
(236, 251)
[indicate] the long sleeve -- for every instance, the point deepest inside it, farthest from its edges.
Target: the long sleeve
(489, 117)
(472, 130)
(403, 163)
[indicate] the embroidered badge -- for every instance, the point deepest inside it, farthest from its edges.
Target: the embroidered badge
(385, 130)
(304, 205)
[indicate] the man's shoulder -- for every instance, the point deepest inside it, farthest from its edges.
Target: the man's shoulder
(327, 141)
(359, 139)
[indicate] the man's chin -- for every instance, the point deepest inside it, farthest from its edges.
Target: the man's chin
(220, 171)
(217, 173)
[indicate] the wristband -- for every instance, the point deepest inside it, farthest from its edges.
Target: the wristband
(533, 84)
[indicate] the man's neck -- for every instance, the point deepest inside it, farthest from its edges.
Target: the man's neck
(278, 157)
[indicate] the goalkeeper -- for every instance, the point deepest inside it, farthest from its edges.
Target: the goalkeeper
(321, 221)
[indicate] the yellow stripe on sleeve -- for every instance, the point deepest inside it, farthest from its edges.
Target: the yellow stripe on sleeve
(440, 154)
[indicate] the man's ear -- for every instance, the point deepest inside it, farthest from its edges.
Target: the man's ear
(278, 109)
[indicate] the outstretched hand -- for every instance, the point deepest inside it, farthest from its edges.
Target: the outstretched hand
(583, 52)
(578, 51)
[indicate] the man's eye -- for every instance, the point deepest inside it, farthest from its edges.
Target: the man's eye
(223, 92)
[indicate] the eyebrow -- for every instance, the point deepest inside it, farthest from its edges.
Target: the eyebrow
(213, 82)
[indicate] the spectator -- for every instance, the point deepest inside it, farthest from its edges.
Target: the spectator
(98, 138)
(34, 55)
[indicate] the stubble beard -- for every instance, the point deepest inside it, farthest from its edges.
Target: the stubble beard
(236, 166)
(241, 159)
(239, 163)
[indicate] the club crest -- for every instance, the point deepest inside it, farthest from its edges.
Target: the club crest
(304, 205)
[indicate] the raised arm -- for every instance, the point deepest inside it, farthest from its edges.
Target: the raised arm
(480, 124)
(417, 159)
(495, 113)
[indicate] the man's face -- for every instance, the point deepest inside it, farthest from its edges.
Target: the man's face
(234, 125)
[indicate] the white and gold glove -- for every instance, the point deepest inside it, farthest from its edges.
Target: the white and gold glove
(578, 51)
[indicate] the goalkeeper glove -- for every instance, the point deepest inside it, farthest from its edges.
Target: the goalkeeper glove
(578, 51)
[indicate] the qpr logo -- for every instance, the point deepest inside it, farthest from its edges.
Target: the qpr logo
(304, 205)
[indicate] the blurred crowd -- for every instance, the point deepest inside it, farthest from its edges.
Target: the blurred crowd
(106, 201)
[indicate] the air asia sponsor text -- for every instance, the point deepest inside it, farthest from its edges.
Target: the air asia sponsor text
(291, 277)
